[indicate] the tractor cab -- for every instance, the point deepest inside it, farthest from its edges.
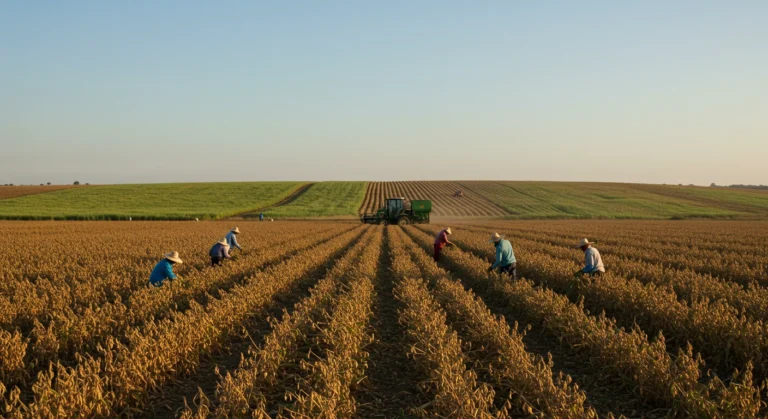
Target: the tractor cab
(395, 206)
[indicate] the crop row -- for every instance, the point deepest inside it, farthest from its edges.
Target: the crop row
(118, 381)
(654, 374)
(327, 390)
(436, 349)
(246, 388)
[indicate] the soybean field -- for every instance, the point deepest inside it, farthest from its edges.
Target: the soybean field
(337, 319)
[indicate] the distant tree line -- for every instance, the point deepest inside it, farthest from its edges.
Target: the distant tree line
(49, 184)
(761, 187)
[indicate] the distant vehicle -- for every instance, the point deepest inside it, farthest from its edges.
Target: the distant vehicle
(401, 212)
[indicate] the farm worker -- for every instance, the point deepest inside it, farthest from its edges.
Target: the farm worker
(261, 216)
(593, 263)
(505, 256)
(232, 239)
(164, 269)
(219, 252)
(441, 240)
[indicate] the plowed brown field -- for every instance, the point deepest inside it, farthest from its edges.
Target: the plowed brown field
(16, 191)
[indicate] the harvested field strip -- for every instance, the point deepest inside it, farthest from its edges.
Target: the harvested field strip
(470, 205)
(655, 375)
(17, 191)
(525, 380)
(162, 350)
(727, 339)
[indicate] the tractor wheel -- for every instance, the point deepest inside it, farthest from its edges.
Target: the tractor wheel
(384, 223)
(403, 221)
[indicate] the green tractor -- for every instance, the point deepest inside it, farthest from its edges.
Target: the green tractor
(401, 212)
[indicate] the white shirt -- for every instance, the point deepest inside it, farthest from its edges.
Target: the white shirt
(592, 261)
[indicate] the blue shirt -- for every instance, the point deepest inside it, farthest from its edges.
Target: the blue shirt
(504, 254)
(219, 251)
(163, 270)
(232, 240)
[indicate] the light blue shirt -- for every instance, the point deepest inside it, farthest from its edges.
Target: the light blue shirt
(504, 254)
(232, 240)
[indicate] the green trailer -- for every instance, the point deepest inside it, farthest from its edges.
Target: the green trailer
(400, 211)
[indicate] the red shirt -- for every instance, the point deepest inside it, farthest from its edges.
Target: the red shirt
(441, 239)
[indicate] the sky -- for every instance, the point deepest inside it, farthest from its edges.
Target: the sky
(172, 91)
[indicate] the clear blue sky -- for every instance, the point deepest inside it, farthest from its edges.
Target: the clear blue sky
(155, 91)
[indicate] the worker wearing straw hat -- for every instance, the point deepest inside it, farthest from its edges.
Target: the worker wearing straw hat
(232, 239)
(593, 263)
(164, 269)
(219, 252)
(505, 260)
(441, 240)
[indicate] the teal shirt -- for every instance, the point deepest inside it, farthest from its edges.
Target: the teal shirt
(163, 270)
(504, 254)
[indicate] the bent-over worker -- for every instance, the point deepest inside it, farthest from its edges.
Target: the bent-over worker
(219, 252)
(232, 239)
(441, 240)
(505, 260)
(164, 269)
(593, 263)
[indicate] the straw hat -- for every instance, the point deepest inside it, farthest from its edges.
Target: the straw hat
(223, 241)
(448, 230)
(584, 242)
(173, 257)
(236, 230)
(495, 238)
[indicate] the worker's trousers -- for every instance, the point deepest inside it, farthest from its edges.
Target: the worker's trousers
(438, 251)
(510, 270)
(216, 261)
